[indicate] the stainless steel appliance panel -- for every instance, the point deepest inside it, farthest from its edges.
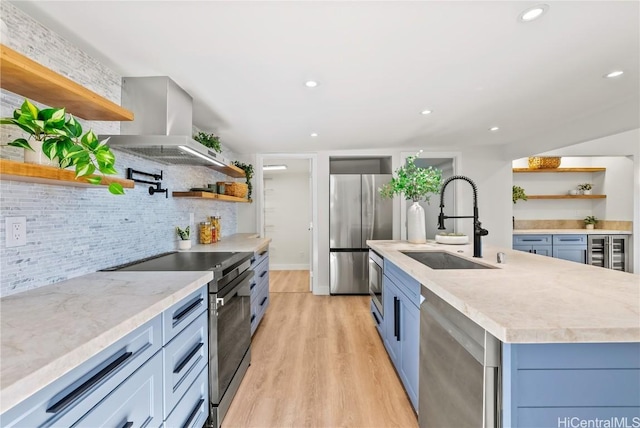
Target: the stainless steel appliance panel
(375, 280)
(377, 211)
(345, 216)
(348, 272)
(609, 251)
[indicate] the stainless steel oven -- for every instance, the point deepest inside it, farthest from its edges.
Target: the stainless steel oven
(375, 280)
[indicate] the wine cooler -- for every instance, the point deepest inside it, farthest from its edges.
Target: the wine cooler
(609, 251)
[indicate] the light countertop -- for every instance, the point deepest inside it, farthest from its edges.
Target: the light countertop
(50, 330)
(571, 232)
(531, 298)
(236, 242)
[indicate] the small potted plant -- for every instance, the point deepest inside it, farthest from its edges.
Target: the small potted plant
(185, 242)
(210, 140)
(585, 188)
(60, 138)
(590, 221)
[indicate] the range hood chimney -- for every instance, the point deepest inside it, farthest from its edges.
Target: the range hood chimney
(162, 127)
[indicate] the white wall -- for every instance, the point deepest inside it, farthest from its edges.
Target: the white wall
(287, 215)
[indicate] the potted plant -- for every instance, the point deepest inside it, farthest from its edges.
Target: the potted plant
(585, 188)
(185, 242)
(210, 140)
(248, 172)
(415, 183)
(59, 136)
(590, 221)
(518, 194)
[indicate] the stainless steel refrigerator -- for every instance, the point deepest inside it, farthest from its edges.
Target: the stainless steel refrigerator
(357, 213)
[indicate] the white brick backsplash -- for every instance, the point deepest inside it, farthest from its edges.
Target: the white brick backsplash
(72, 231)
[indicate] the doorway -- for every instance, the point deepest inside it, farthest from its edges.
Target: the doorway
(286, 214)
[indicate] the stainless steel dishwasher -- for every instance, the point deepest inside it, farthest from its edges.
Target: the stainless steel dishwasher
(459, 369)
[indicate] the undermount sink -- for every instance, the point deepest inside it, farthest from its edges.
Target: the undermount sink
(443, 260)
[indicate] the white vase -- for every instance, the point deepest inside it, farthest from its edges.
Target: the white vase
(416, 226)
(184, 245)
(586, 192)
(588, 226)
(37, 156)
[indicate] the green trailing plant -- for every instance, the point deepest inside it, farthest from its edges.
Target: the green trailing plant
(248, 171)
(210, 140)
(183, 233)
(518, 194)
(413, 182)
(585, 186)
(590, 220)
(63, 141)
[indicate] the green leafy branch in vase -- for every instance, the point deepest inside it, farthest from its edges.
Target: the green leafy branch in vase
(413, 181)
(63, 141)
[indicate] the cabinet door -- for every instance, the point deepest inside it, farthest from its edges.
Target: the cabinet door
(391, 319)
(542, 250)
(574, 253)
(525, 248)
(410, 349)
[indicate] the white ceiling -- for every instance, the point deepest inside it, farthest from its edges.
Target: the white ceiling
(379, 64)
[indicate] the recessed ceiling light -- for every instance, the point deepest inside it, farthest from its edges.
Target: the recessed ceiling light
(533, 13)
(494, 129)
(616, 73)
(425, 112)
(310, 83)
(274, 167)
(314, 134)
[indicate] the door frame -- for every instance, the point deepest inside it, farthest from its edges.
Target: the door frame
(313, 180)
(457, 167)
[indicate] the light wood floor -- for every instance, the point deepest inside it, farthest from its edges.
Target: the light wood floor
(289, 281)
(317, 361)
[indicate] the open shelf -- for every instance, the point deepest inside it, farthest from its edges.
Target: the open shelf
(208, 195)
(34, 173)
(598, 169)
(26, 77)
(566, 196)
(230, 170)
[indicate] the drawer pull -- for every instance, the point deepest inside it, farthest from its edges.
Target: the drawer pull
(253, 285)
(189, 356)
(178, 317)
(264, 299)
(193, 414)
(253, 260)
(95, 379)
(253, 317)
(375, 317)
(532, 240)
(263, 253)
(263, 274)
(129, 424)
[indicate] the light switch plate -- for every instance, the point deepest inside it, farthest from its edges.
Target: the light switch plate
(16, 231)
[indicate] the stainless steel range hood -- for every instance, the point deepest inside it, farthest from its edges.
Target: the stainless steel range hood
(162, 127)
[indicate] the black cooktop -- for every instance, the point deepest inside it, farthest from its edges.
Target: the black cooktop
(186, 261)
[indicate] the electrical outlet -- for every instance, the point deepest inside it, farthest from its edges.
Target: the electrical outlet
(16, 231)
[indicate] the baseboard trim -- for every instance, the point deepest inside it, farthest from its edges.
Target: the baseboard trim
(273, 266)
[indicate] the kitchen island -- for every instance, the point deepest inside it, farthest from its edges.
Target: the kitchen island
(569, 334)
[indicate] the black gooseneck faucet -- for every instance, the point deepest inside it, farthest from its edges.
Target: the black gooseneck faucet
(478, 231)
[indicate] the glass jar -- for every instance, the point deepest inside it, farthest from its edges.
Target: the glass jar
(205, 232)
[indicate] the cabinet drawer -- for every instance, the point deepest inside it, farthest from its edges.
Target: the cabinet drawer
(136, 402)
(184, 358)
(183, 313)
(66, 400)
(259, 256)
(259, 306)
(532, 240)
(405, 283)
(193, 408)
(570, 240)
(377, 318)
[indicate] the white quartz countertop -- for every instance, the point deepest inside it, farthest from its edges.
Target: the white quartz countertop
(571, 232)
(531, 298)
(48, 331)
(238, 242)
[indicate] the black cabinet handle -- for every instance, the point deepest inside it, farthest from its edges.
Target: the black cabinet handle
(264, 299)
(186, 359)
(396, 318)
(263, 253)
(92, 381)
(178, 317)
(532, 240)
(569, 239)
(129, 424)
(375, 317)
(263, 274)
(253, 317)
(193, 413)
(535, 251)
(253, 285)
(253, 260)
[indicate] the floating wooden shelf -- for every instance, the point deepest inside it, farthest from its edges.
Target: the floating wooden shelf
(208, 195)
(29, 172)
(26, 77)
(230, 170)
(560, 170)
(566, 196)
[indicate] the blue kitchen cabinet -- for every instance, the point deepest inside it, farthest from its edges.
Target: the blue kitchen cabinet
(535, 244)
(402, 326)
(259, 287)
(570, 247)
